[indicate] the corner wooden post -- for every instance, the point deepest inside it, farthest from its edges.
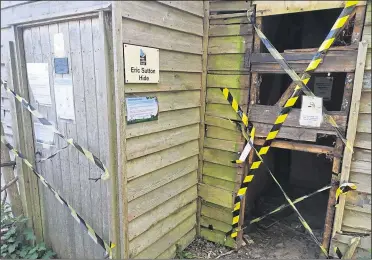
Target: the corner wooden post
(203, 95)
(118, 61)
(351, 131)
(24, 137)
(106, 44)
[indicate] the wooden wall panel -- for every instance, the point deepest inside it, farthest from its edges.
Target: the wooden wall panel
(69, 171)
(162, 155)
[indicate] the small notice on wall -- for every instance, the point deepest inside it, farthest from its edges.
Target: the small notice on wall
(44, 134)
(323, 87)
(38, 79)
(64, 96)
(142, 109)
(59, 45)
(141, 64)
(311, 111)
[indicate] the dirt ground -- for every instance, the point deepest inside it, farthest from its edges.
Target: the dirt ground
(279, 241)
(279, 236)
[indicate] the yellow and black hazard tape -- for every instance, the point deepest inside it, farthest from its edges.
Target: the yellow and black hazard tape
(95, 237)
(90, 156)
(338, 252)
(284, 64)
(343, 189)
(340, 22)
(251, 129)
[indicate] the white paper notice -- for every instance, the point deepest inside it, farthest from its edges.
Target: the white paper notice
(59, 45)
(141, 109)
(311, 111)
(44, 134)
(323, 87)
(64, 96)
(38, 79)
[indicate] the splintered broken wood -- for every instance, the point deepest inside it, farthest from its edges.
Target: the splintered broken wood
(335, 61)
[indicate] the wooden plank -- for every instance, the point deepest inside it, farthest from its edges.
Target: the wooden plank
(367, 80)
(231, 146)
(367, 33)
(220, 110)
(365, 242)
(218, 134)
(163, 16)
(300, 134)
(169, 81)
(193, 7)
(216, 182)
(219, 171)
(139, 33)
(230, 29)
(147, 144)
(215, 195)
(151, 181)
(174, 100)
(229, 62)
(214, 95)
(146, 221)
(364, 123)
(155, 198)
(362, 181)
(229, 44)
(217, 237)
(265, 8)
(223, 6)
(362, 155)
(179, 62)
(227, 81)
(365, 103)
(228, 19)
(168, 239)
(363, 140)
(152, 162)
(335, 61)
(7, 4)
(166, 121)
(157, 231)
(216, 212)
(43, 10)
(221, 122)
(181, 244)
(361, 167)
(220, 157)
(368, 60)
(267, 114)
(203, 94)
(213, 224)
(357, 220)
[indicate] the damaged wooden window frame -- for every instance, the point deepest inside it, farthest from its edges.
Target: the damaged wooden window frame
(262, 116)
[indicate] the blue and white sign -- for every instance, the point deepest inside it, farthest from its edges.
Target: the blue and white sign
(142, 109)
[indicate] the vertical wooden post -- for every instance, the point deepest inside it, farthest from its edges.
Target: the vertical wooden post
(120, 124)
(108, 75)
(28, 183)
(202, 105)
(8, 174)
(351, 131)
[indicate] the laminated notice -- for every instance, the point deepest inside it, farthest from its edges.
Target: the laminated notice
(311, 111)
(142, 109)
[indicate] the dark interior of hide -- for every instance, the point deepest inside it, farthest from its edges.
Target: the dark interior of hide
(299, 173)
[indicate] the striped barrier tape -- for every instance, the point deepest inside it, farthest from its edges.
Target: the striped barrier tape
(252, 130)
(283, 63)
(340, 22)
(338, 252)
(93, 235)
(343, 189)
(90, 156)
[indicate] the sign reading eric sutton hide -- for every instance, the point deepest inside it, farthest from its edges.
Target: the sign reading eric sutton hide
(141, 64)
